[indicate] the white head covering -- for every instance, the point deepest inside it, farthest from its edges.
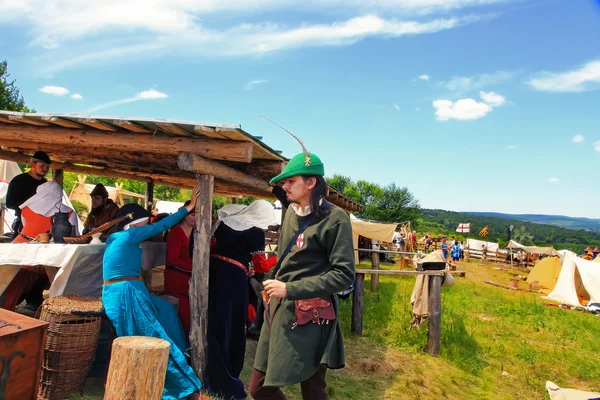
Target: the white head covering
(137, 221)
(259, 214)
(47, 200)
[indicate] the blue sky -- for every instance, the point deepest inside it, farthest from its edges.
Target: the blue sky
(478, 105)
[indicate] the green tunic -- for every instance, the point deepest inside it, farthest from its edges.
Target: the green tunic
(323, 266)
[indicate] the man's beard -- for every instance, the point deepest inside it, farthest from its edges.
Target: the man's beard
(97, 210)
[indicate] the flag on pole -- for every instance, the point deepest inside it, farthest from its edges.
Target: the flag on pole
(484, 231)
(464, 228)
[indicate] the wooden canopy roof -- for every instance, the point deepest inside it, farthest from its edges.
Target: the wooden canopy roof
(164, 152)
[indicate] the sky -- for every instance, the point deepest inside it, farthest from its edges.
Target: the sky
(473, 105)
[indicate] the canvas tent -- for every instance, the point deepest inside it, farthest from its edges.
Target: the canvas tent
(475, 244)
(371, 230)
(169, 207)
(546, 273)
(578, 283)
(550, 251)
(81, 193)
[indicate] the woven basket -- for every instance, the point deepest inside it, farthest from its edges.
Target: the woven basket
(70, 344)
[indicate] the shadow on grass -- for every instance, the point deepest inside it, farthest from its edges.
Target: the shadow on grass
(459, 346)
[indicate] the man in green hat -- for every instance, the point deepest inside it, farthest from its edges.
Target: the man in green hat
(319, 264)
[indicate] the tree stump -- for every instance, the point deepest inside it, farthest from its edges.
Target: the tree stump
(138, 366)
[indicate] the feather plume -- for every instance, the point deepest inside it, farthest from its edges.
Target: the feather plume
(304, 150)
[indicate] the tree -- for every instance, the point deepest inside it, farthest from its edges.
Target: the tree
(521, 235)
(339, 182)
(10, 98)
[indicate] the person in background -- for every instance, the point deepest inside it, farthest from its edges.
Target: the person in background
(462, 250)
(178, 268)
(455, 252)
(36, 215)
(484, 253)
(24, 186)
(129, 305)
(444, 248)
(103, 209)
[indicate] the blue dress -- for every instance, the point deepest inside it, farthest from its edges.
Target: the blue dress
(135, 312)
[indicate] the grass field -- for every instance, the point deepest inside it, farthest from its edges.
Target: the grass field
(495, 344)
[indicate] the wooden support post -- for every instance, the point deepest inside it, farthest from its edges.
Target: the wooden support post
(435, 315)
(234, 200)
(137, 370)
(375, 265)
(358, 303)
(149, 199)
(199, 279)
(58, 176)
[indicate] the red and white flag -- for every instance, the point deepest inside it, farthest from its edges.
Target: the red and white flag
(464, 228)
(300, 241)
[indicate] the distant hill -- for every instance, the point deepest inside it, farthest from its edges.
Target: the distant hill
(543, 232)
(556, 220)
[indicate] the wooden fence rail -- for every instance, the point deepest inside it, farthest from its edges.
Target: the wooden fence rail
(435, 303)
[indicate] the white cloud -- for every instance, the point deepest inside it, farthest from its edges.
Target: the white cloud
(467, 83)
(150, 94)
(491, 98)
(396, 106)
(587, 77)
(511, 147)
(54, 90)
(77, 96)
(423, 77)
(255, 82)
(77, 32)
(597, 146)
(578, 138)
(467, 109)
(553, 180)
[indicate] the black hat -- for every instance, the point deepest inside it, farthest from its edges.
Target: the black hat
(41, 156)
(136, 211)
(99, 190)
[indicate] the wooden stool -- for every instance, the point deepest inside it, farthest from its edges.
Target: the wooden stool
(138, 365)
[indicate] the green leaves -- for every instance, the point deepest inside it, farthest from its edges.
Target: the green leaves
(10, 98)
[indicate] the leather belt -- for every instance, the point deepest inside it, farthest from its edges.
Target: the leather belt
(122, 280)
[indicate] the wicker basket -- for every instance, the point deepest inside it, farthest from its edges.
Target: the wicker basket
(70, 344)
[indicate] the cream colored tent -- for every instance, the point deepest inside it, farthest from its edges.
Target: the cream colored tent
(371, 230)
(81, 193)
(546, 273)
(578, 283)
(551, 251)
(474, 244)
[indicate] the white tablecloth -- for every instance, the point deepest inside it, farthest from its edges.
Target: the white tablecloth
(80, 265)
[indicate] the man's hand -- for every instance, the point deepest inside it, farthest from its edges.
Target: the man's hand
(275, 289)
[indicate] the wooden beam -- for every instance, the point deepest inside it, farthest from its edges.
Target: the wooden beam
(199, 280)
(19, 157)
(62, 122)
(130, 126)
(149, 198)
(6, 120)
(174, 129)
(129, 142)
(208, 131)
(198, 164)
(94, 123)
(435, 315)
(26, 120)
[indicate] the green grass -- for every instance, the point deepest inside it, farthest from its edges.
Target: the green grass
(486, 331)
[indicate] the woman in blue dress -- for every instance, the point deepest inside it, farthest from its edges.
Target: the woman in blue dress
(132, 309)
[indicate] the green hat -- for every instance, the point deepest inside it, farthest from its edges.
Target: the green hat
(301, 164)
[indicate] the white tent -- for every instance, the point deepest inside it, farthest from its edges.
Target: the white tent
(8, 170)
(371, 230)
(475, 244)
(578, 283)
(532, 249)
(169, 207)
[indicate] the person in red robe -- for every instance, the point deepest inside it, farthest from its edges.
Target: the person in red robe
(178, 269)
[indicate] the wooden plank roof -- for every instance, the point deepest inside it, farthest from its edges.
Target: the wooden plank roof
(149, 150)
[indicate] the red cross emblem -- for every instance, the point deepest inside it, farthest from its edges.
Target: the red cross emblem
(300, 241)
